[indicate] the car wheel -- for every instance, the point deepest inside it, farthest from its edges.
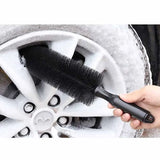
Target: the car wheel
(31, 108)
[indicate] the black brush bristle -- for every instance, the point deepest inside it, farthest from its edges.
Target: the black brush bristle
(66, 74)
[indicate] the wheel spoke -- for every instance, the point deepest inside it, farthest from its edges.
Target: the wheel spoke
(76, 132)
(66, 46)
(10, 63)
(46, 92)
(95, 61)
(54, 132)
(11, 109)
(65, 100)
(9, 127)
(34, 133)
(97, 109)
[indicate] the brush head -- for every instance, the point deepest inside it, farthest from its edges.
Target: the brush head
(66, 74)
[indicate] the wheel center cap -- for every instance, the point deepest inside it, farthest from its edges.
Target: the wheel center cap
(43, 119)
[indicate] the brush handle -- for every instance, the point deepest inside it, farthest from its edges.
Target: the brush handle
(131, 108)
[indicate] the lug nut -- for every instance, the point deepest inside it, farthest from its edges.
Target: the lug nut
(24, 132)
(55, 100)
(46, 135)
(63, 120)
(29, 107)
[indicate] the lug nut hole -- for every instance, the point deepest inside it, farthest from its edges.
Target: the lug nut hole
(24, 132)
(63, 121)
(46, 135)
(28, 107)
(55, 100)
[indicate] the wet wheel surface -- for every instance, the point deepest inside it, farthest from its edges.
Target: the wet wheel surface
(31, 108)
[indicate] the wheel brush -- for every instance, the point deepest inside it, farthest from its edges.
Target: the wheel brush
(75, 79)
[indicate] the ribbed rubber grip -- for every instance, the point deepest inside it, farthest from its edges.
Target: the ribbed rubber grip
(131, 108)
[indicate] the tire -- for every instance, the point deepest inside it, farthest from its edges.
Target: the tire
(150, 36)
